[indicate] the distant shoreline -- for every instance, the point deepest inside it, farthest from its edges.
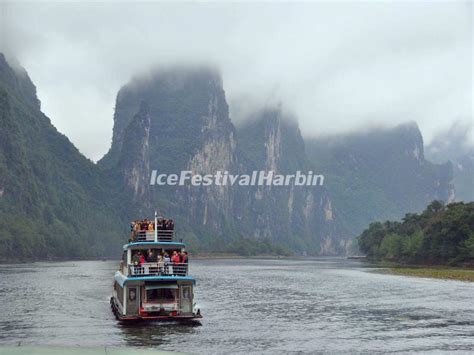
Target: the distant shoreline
(444, 273)
(192, 257)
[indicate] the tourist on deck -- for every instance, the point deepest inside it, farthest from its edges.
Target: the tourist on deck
(183, 263)
(167, 262)
(184, 257)
(150, 226)
(142, 258)
(136, 229)
(168, 224)
(161, 264)
(175, 258)
(167, 259)
(133, 233)
(151, 257)
(136, 259)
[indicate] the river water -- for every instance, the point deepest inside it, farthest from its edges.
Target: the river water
(249, 306)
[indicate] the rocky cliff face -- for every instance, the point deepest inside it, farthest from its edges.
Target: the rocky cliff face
(134, 161)
(380, 175)
(190, 130)
(212, 205)
(371, 176)
(53, 200)
(454, 146)
(301, 217)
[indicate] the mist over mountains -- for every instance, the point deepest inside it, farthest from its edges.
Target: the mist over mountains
(338, 66)
(56, 203)
(454, 145)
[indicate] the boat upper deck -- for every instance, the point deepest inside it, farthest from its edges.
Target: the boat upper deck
(123, 279)
(151, 250)
(154, 245)
(149, 236)
(161, 229)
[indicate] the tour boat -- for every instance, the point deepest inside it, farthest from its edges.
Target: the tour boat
(157, 289)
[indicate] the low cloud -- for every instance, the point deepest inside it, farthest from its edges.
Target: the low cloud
(338, 66)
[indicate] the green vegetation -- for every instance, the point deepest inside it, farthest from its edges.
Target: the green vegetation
(453, 145)
(440, 235)
(378, 175)
(436, 273)
(209, 244)
(54, 203)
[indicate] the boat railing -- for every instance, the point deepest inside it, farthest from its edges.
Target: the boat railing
(149, 236)
(155, 269)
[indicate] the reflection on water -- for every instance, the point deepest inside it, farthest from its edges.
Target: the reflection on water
(155, 334)
(249, 306)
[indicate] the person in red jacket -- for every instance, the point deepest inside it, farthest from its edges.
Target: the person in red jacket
(184, 257)
(142, 258)
(175, 258)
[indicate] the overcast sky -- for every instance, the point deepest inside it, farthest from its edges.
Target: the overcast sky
(339, 66)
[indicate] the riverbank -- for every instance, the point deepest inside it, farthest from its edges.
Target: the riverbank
(435, 273)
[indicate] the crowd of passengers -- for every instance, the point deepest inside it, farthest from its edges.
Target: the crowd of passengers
(146, 225)
(177, 257)
(166, 263)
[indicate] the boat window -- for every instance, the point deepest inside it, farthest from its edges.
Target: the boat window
(160, 294)
(132, 294)
(187, 293)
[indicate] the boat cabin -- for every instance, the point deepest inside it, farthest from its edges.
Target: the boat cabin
(142, 299)
(152, 281)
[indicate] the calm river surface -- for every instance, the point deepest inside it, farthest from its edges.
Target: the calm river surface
(249, 306)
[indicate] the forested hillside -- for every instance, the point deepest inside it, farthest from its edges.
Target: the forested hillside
(189, 128)
(455, 146)
(439, 235)
(379, 174)
(54, 203)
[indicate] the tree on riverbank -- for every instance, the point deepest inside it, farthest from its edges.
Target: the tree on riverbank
(439, 235)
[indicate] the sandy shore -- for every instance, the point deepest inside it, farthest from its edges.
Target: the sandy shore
(435, 272)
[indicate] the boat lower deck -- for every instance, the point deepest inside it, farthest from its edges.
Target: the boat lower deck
(163, 318)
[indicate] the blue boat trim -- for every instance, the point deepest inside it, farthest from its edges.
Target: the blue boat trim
(122, 279)
(170, 244)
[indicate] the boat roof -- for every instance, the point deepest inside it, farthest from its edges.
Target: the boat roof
(154, 244)
(122, 279)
